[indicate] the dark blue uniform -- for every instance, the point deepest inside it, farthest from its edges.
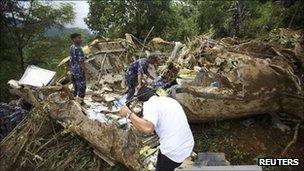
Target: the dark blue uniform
(159, 82)
(77, 72)
(140, 66)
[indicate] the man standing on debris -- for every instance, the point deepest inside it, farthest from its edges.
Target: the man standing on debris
(167, 117)
(77, 67)
(134, 73)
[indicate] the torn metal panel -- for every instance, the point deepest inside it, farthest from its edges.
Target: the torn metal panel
(27, 94)
(211, 106)
(64, 61)
(254, 73)
(36, 76)
(120, 144)
(216, 81)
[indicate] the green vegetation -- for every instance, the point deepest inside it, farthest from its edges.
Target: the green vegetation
(178, 20)
(28, 37)
(242, 144)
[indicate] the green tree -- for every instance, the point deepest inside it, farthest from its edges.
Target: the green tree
(22, 25)
(23, 22)
(261, 18)
(253, 19)
(182, 22)
(114, 18)
(213, 14)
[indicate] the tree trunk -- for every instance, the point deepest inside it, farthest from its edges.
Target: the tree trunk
(20, 53)
(235, 20)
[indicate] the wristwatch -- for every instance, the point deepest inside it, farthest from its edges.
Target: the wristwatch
(128, 114)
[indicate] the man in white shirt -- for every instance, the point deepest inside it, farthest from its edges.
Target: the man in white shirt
(167, 118)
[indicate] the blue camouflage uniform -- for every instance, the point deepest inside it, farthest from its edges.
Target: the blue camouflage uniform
(131, 74)
(159, 82)
(77, 72)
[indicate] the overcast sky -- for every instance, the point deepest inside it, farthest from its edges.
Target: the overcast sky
(81, 9)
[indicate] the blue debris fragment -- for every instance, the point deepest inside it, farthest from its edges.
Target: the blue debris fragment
(11, 115)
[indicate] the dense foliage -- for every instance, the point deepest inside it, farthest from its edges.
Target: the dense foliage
(177, 20)
(24, 25)
(115, 17)
(23, 38)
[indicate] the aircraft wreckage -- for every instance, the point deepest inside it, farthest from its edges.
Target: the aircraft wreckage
(212, 79)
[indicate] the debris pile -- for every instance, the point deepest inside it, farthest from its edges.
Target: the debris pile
(212, 79)
(39, 143)
(11, 115)
(237, 79)
(286, 37)
(110, 139)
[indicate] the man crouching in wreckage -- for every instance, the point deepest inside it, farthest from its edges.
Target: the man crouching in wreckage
(77, 68)
(134, 73)
(167, 117)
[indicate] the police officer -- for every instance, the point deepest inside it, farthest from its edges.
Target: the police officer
(77, 67)
(134, 73)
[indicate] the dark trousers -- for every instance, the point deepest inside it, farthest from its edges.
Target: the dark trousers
(132, 83)
(79, 85)
(165, 164)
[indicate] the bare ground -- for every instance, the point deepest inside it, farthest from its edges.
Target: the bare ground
(244, 144)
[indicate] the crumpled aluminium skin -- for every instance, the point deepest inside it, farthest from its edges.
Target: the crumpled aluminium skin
(239, 80)
(121, 145)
